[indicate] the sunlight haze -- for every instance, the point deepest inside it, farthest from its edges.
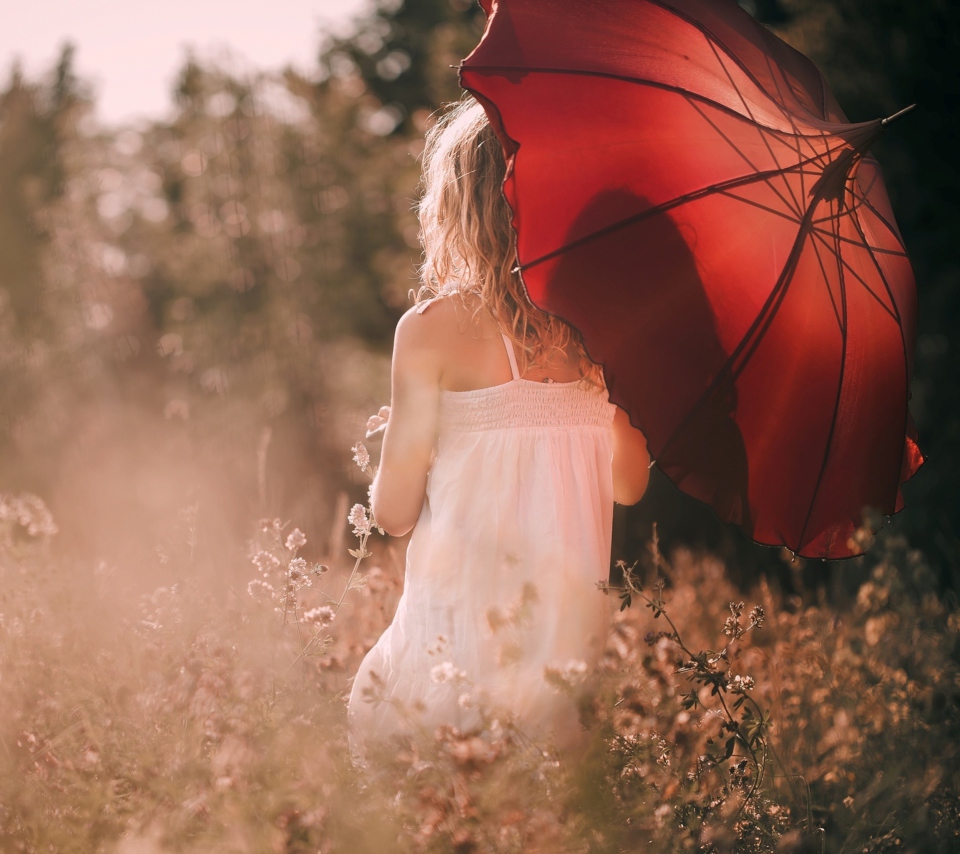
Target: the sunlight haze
(130, 53)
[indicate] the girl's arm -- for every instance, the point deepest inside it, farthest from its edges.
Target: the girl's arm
(631, 460)
(408, 443)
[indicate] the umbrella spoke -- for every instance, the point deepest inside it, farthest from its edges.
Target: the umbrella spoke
(794, 150)
(880, 273)
(891, 228)
(852, 242)
(756, 204)
(857, 276)
(826, 282)
(746, 159)
(886, 284)
(836, 404)
(738, 359)
(760, 130)
(741, 181)
(626, 78)
(715, 40)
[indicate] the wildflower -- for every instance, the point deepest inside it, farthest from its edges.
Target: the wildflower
(740, 684)
(360, 455)
(361, 522)
(322, 615)
(264, 561)
(296, 540)
(260, 589)
(297, 568)
(757, 616)
(447, 673)
(30, 512)
(568, 676)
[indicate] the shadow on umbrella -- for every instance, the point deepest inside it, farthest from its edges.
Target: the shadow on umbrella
(670, 314)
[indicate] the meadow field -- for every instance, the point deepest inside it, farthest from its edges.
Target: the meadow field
(209, 715)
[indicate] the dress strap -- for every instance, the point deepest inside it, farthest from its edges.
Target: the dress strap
(511, 355)
(426, 304)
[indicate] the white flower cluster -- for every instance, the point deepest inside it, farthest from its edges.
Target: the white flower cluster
(321, 616)
(360, 519)
(568, 676)
(447, 673)
(28, 511)
(260, 589)
(296, 540)
(297, 571)
(361, 456)
(265, 562)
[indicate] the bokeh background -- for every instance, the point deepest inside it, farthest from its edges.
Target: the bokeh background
(197, 307)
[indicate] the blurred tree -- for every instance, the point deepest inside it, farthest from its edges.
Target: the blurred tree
(405, 54)
(35, 124)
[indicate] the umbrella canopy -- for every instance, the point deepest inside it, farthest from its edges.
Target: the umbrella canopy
(688, 194)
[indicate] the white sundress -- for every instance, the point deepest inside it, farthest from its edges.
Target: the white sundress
(500, 590)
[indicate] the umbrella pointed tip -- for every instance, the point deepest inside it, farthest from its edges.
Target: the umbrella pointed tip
(895, 116)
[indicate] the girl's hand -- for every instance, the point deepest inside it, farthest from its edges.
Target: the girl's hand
(378, 423)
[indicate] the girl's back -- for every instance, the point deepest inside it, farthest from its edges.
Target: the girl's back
(500, 595)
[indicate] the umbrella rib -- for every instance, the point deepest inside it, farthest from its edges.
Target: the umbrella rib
(713, 38)
(883, 278)
(662, 208)
(823, 92)
(865, 201)
(733, 85)
(859, 278)
(793, 124)
(756, 331)
(873, 180)
(826, 280)
(746, 159)
(869, 246)
(836, 402)
(746, 106)
(743, 156)
(803, 184)
(626, 78)
(790, 116)
(769, 210)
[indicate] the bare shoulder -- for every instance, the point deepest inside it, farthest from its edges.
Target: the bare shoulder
(444, 321)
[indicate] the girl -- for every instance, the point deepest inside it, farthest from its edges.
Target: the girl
(504, 456)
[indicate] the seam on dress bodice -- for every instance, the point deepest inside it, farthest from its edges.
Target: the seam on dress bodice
(521, 404)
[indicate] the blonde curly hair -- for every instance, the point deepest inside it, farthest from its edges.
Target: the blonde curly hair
(468, 242)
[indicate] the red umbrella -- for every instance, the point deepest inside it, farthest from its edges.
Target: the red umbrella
(688, 194)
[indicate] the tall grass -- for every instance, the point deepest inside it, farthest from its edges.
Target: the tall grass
(209, 716)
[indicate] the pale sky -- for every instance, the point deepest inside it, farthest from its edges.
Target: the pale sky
(130, 51)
